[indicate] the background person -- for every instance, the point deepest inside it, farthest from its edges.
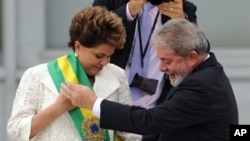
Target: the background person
(138, 56)
(40, 113)
(200, 106)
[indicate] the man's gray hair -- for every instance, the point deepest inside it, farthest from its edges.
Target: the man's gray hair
(182, 36)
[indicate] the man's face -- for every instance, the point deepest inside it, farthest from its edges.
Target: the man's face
(175, 66)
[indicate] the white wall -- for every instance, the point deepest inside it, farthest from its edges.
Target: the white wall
(226, 22)
(237, 66)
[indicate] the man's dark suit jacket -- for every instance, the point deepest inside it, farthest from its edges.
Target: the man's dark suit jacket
(120, 57)
(201, 108)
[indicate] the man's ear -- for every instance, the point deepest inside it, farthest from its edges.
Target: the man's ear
(193, 58)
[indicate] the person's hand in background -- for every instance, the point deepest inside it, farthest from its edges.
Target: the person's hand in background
(173, 9)
(135, 6)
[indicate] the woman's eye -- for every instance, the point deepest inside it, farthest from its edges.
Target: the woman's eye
(98, 56)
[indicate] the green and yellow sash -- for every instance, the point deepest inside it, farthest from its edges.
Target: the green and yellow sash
(68, 68)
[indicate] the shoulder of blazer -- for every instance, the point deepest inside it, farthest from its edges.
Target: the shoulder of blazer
(119, 3)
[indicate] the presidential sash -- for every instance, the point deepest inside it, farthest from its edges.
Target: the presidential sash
(68, 68)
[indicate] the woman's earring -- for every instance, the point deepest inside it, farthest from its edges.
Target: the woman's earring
(76, 55)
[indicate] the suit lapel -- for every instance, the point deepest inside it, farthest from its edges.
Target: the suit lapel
(105, 83)
(165, 90)
(48, 82)
(170, 93)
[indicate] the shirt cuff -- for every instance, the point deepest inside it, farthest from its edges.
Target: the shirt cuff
(97, 107)
(129, 16)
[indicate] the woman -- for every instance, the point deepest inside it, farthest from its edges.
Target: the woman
(41, 113)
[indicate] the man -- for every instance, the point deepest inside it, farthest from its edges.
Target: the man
(200, 106)
(138, 56)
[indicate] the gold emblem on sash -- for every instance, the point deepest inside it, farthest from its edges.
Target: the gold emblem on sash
(92, 130)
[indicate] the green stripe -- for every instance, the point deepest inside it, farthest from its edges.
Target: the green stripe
(77, 117)
(56, 74)
(78, 69)
(58, 78)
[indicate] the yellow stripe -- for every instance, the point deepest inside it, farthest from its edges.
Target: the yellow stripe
(67, 72)
(69, 75)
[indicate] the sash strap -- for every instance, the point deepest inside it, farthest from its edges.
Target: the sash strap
(68, 68)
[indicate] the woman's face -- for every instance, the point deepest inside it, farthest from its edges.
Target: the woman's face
(95, 58)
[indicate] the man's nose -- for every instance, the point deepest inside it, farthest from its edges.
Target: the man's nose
(163, 67)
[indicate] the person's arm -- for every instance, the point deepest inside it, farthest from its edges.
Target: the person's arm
(109, 4)
(190, 11)
(118, 6)
(189, 106)
(126, 9)
(25, 105)
(48, 115)
(26, 121)
(127, 136)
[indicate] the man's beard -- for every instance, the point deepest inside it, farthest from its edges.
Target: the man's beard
(182, 73)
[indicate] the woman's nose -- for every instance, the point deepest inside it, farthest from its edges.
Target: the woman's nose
(105, 61)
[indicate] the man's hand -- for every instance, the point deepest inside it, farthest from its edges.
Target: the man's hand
(79, 95)
(64, 104)
(172, 9)
(135, 6)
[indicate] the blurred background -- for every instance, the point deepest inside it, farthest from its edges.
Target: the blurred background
(35, 31)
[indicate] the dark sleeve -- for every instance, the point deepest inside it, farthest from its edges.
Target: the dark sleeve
(189, 105)
(153, 137)
(117, 6)
(190, 10)
(109, 4)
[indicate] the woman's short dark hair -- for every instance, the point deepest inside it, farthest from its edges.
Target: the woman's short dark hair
(93, 26)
